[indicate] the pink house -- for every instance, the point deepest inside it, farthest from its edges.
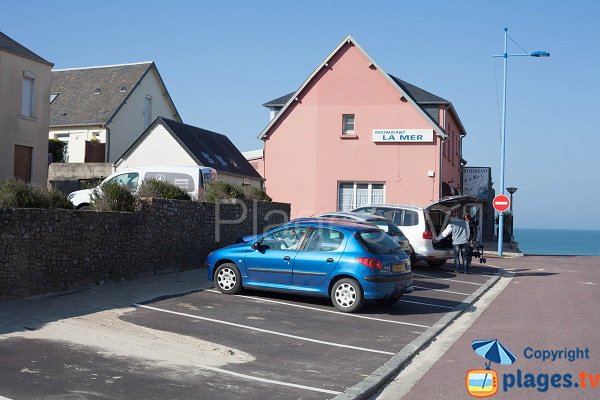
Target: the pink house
(353, 135)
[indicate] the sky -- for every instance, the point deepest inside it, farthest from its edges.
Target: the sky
(221, 60)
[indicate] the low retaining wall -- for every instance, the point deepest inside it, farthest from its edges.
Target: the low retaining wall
(44, 251)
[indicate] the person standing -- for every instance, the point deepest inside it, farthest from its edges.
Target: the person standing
(472, 225)
(460, 241)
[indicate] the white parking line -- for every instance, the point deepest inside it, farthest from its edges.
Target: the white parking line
(449, 279)
(256, 378)
(426, 304)
(442, 290)
(259, 299)
(263, 330)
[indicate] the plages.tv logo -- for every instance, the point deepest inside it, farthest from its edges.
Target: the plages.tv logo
(484, 382)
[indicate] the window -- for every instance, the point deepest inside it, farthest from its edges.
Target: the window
(285, 239)
(53, 96)
(129, 180)
(353, 194)
(348, 124)
(377, 242)
(147, 111)
(28, 95)
(322, 239)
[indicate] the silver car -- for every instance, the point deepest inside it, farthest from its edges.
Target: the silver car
(421, 225)
(377, 221)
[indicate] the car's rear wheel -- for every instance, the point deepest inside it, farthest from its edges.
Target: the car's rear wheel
(388, 301)
(436, 263)
(228, 278)
(347, 296)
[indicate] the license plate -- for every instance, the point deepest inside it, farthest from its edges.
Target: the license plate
(398, 268)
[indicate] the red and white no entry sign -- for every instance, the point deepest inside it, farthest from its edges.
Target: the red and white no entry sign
(501, 203)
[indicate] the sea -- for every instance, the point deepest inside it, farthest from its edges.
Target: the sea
(568, 242)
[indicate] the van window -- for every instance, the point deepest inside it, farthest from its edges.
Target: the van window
(129, 180)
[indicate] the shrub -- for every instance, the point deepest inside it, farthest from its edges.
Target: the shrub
(112, 197)
(218, 190)
(254, 193)
(17, 194)
(58, 149)
(161, 190)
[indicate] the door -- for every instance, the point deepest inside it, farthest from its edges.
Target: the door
(476, 211)
(318, 257)
(272, 261)
(22, 162)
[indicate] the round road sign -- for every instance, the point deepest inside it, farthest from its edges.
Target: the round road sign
(501, 203)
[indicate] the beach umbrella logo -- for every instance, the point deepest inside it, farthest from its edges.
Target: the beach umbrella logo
(484, 382)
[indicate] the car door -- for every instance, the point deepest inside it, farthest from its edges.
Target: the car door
(273, 259)
(318, 256)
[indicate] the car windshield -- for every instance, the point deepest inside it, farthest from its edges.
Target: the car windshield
(377, 242)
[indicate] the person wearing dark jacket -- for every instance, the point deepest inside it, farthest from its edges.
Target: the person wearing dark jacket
(472, 239)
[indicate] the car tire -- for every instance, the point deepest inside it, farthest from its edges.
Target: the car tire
(437, 263)
(413, 257)
(388, 301)
(84, 208)
(228, 279)
(347, 295)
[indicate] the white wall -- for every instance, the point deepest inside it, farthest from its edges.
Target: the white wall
(157, 148)
(17, 130)
(76, 139)
(128, 124)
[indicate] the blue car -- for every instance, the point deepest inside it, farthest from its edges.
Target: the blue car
(344, 260)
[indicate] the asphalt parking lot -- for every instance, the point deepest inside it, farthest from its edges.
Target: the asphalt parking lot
(263, 345)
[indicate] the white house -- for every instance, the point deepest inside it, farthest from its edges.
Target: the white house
(168, 142)
(24, 113)
(100, 111)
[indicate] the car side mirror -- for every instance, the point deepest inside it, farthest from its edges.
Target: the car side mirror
(255, 245)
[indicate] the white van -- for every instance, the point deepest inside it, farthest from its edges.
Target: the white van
(422, 224)
(191, 179)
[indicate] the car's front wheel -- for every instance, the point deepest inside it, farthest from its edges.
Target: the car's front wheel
(347, 296)
(228, 278)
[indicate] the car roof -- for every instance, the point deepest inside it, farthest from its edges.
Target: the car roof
(402, 206)
(363, 216)
(331, 223)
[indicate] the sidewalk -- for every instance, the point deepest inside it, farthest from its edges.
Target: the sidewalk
(509, 250)
(550, 304)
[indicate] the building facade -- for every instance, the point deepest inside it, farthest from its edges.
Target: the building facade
(353, 135)
(100, 111)
(24, 113)
(168, 142)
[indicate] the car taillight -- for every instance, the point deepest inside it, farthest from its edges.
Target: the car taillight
(370, 262)
(428, 235)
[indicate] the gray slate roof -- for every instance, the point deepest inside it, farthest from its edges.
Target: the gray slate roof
(10, 45)
(77, 104)
(421, 96)
(208, 148)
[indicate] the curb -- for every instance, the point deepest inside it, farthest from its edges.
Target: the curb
(372, 383)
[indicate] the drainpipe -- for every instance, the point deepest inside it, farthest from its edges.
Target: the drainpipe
(443, 144)
(107, 142)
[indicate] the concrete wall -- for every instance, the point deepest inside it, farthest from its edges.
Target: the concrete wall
(128, 124)
(16, 129)
(45, 251)
(68, 177)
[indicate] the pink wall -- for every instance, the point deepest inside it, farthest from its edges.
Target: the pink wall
(305, 157)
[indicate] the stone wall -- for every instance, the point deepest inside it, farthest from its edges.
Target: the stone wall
(44, 251)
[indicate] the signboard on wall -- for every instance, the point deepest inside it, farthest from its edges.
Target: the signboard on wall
(476, 182)
(402, 135)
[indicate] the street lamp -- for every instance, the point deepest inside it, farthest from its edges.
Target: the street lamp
(505, 55)
(511, 190)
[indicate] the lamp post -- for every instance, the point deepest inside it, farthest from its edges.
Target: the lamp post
(511, 190)
(505, 55)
